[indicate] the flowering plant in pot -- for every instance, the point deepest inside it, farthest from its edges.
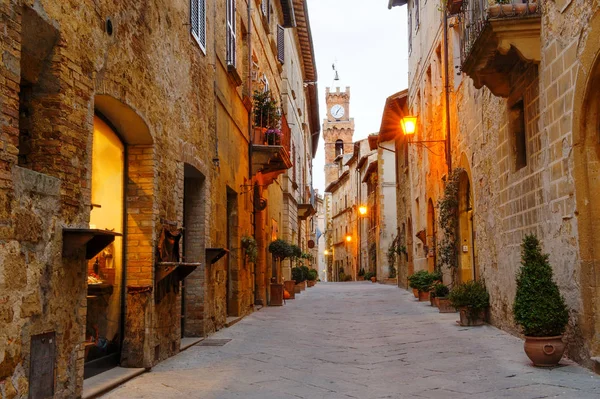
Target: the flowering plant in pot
(273, 136)
(472, 300)
(539, 307)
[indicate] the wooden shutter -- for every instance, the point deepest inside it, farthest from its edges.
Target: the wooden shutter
(280, 44)
(198, 21)
(231, 40)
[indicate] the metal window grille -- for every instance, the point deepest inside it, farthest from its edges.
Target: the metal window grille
(198, 21)
(231, 40)
(280, 44)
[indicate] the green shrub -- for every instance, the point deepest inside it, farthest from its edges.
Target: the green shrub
(313, 275)
(539, 307)
(472, 294)
(440, 290)
(297, 275)
(280, 249)
(305, 271)
(361, 272)
(250, 248)
(423, 280)
(342, 276)
(348, 278)
(296, 251)
(368, 275)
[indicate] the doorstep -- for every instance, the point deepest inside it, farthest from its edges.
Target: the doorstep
(104, 382)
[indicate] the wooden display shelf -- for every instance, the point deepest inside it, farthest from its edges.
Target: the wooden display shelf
(183, 269)
(94, 240)
(97, 290)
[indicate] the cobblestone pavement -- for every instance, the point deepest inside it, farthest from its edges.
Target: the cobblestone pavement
(358, 340)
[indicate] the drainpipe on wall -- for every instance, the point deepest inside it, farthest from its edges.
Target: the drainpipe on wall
(251, 138)
(447, 90)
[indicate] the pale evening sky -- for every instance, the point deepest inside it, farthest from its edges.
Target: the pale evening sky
(368, 43)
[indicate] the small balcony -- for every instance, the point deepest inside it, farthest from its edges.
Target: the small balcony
(271, 151)
(496, 37)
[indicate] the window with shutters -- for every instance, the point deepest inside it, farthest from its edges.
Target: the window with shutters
(198, 22)
(280, 44)
(265, 7)
(231, 41)
(417, 15)
(409, 32)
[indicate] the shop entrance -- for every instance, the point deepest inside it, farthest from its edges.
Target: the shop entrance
(104, 325)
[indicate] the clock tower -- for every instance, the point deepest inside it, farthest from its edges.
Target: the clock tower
(338, 130)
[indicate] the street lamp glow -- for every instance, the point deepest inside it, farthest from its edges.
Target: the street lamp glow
(326, 252)
(348, 238)
(409, 125)
(362, 210)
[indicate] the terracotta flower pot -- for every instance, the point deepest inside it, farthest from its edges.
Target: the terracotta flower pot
(432, 300)
(416, 292)
(468, 318)
(444, 305)
(373, 279)
(310, 283)
(297, 289)
(436, 300)
(423, 296)
(544, 351)
(302, 285)
(493, 10)
(289, 287)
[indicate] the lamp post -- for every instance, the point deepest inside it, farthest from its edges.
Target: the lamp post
(409, 127)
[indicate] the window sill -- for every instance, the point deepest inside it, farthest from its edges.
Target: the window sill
(234, 75)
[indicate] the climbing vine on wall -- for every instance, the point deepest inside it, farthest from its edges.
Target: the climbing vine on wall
(448, 218)
(395, 248)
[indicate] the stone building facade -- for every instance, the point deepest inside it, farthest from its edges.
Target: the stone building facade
(123, 123)
(522, 127)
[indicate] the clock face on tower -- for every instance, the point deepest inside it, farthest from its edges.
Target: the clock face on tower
(337, 111)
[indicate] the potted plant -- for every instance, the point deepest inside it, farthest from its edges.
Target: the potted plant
(361, 274)
(280, 249)
(441, 298)
(421, 282)
(304, 276)
(472, 300)
(312, 277)
(266, 112)
(539, 307)
(298, 277)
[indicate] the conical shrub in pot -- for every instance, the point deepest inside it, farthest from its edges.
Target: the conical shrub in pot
(539, 307)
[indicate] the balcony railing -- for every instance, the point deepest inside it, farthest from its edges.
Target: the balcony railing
(477, 14)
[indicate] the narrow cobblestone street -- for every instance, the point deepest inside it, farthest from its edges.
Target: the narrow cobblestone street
(358, 340)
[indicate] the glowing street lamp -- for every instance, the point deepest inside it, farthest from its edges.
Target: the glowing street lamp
(362, 210)
(326, 252)
(409, 125)
(348, 238)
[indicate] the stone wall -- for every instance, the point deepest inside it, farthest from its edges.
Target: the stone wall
(180, 113)
(511, 200)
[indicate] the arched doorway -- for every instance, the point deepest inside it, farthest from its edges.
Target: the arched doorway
(586, 144)
(431, 237)
(103, 335)
(466, 242)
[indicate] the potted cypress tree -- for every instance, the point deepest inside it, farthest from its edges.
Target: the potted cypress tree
(539, 307)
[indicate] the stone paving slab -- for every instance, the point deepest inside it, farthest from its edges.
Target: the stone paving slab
(358, 340)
